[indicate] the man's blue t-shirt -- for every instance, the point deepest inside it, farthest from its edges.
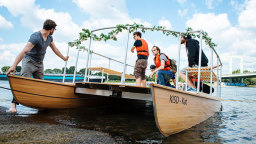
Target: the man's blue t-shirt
(37, 53)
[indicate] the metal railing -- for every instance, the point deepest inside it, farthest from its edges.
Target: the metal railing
(219, 70)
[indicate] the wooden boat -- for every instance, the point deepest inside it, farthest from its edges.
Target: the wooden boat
(175, 110)
(42, 94)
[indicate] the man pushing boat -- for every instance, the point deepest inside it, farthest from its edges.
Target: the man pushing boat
(32, 55)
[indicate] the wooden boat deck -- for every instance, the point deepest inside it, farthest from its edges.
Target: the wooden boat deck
(205, 74)
(111, 72)
(113, 90)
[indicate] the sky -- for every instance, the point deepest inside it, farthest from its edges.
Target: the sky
(230, 23)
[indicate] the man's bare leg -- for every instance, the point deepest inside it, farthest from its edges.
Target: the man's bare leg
(138, 81)
(13, 108)
(144, 82)
(190, 83)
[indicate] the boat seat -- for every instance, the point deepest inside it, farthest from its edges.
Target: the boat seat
(205, 74)
(111, 72)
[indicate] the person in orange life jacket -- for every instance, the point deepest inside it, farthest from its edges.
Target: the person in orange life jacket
(141, 47)
(192, 48)
(163, 70)
(153, 67)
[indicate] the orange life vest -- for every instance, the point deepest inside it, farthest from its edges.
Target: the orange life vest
(193, 79)
(143, 50)
(167, 65)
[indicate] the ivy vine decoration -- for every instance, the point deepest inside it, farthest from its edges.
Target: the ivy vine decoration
(205, 37)
(86, 34)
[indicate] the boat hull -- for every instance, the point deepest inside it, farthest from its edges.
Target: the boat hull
(42, 94)
(176, 110)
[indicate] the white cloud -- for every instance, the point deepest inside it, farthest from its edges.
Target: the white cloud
(182, 12)
(247, 18)
(231, 40)
(32, 16)
(209, 22)
(94, 23)
(4, 24)
(8, 53)
(181, 1)
(107, 13)
(236, 6)
(108, 9)
(209, 4)
(212, 3)
(166, 23)
(17, 7)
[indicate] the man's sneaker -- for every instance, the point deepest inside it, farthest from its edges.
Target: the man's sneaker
(191, 90)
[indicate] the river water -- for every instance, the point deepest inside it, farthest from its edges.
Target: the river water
(133, 122)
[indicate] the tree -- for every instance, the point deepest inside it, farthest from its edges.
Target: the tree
(48, 71)
(18, 68)
(67, 70)
(5, 69)
(57, 71)
(71, 70)
(236, 71)
(114, 77)
(82, 71)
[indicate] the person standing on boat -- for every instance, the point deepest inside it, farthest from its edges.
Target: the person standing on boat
(32, 55)
(192, 48)
(141, 47)
(163, 67)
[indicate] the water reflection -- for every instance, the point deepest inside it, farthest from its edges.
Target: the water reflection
(129, 121)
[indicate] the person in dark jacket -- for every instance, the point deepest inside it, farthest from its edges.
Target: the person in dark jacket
(192, 48)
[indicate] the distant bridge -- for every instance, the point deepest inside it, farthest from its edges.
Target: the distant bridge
(238, 77)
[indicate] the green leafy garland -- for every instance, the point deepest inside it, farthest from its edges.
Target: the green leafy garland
(86, 34)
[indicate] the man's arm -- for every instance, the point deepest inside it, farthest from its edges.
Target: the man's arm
(133, 48)
(57, 52)
(22, 54)
(137, 43)
(159, 68)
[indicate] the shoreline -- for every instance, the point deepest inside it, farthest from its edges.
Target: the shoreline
(23, 129)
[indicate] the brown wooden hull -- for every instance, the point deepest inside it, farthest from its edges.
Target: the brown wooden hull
(43, 94)
(177, 110)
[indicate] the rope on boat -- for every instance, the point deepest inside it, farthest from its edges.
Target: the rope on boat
(39, 94)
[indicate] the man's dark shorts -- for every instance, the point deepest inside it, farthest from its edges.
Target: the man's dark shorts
(140, 68)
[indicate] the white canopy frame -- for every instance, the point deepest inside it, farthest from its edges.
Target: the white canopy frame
(219, 64)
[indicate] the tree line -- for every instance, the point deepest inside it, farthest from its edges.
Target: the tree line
(70, 70)
(5, 69)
